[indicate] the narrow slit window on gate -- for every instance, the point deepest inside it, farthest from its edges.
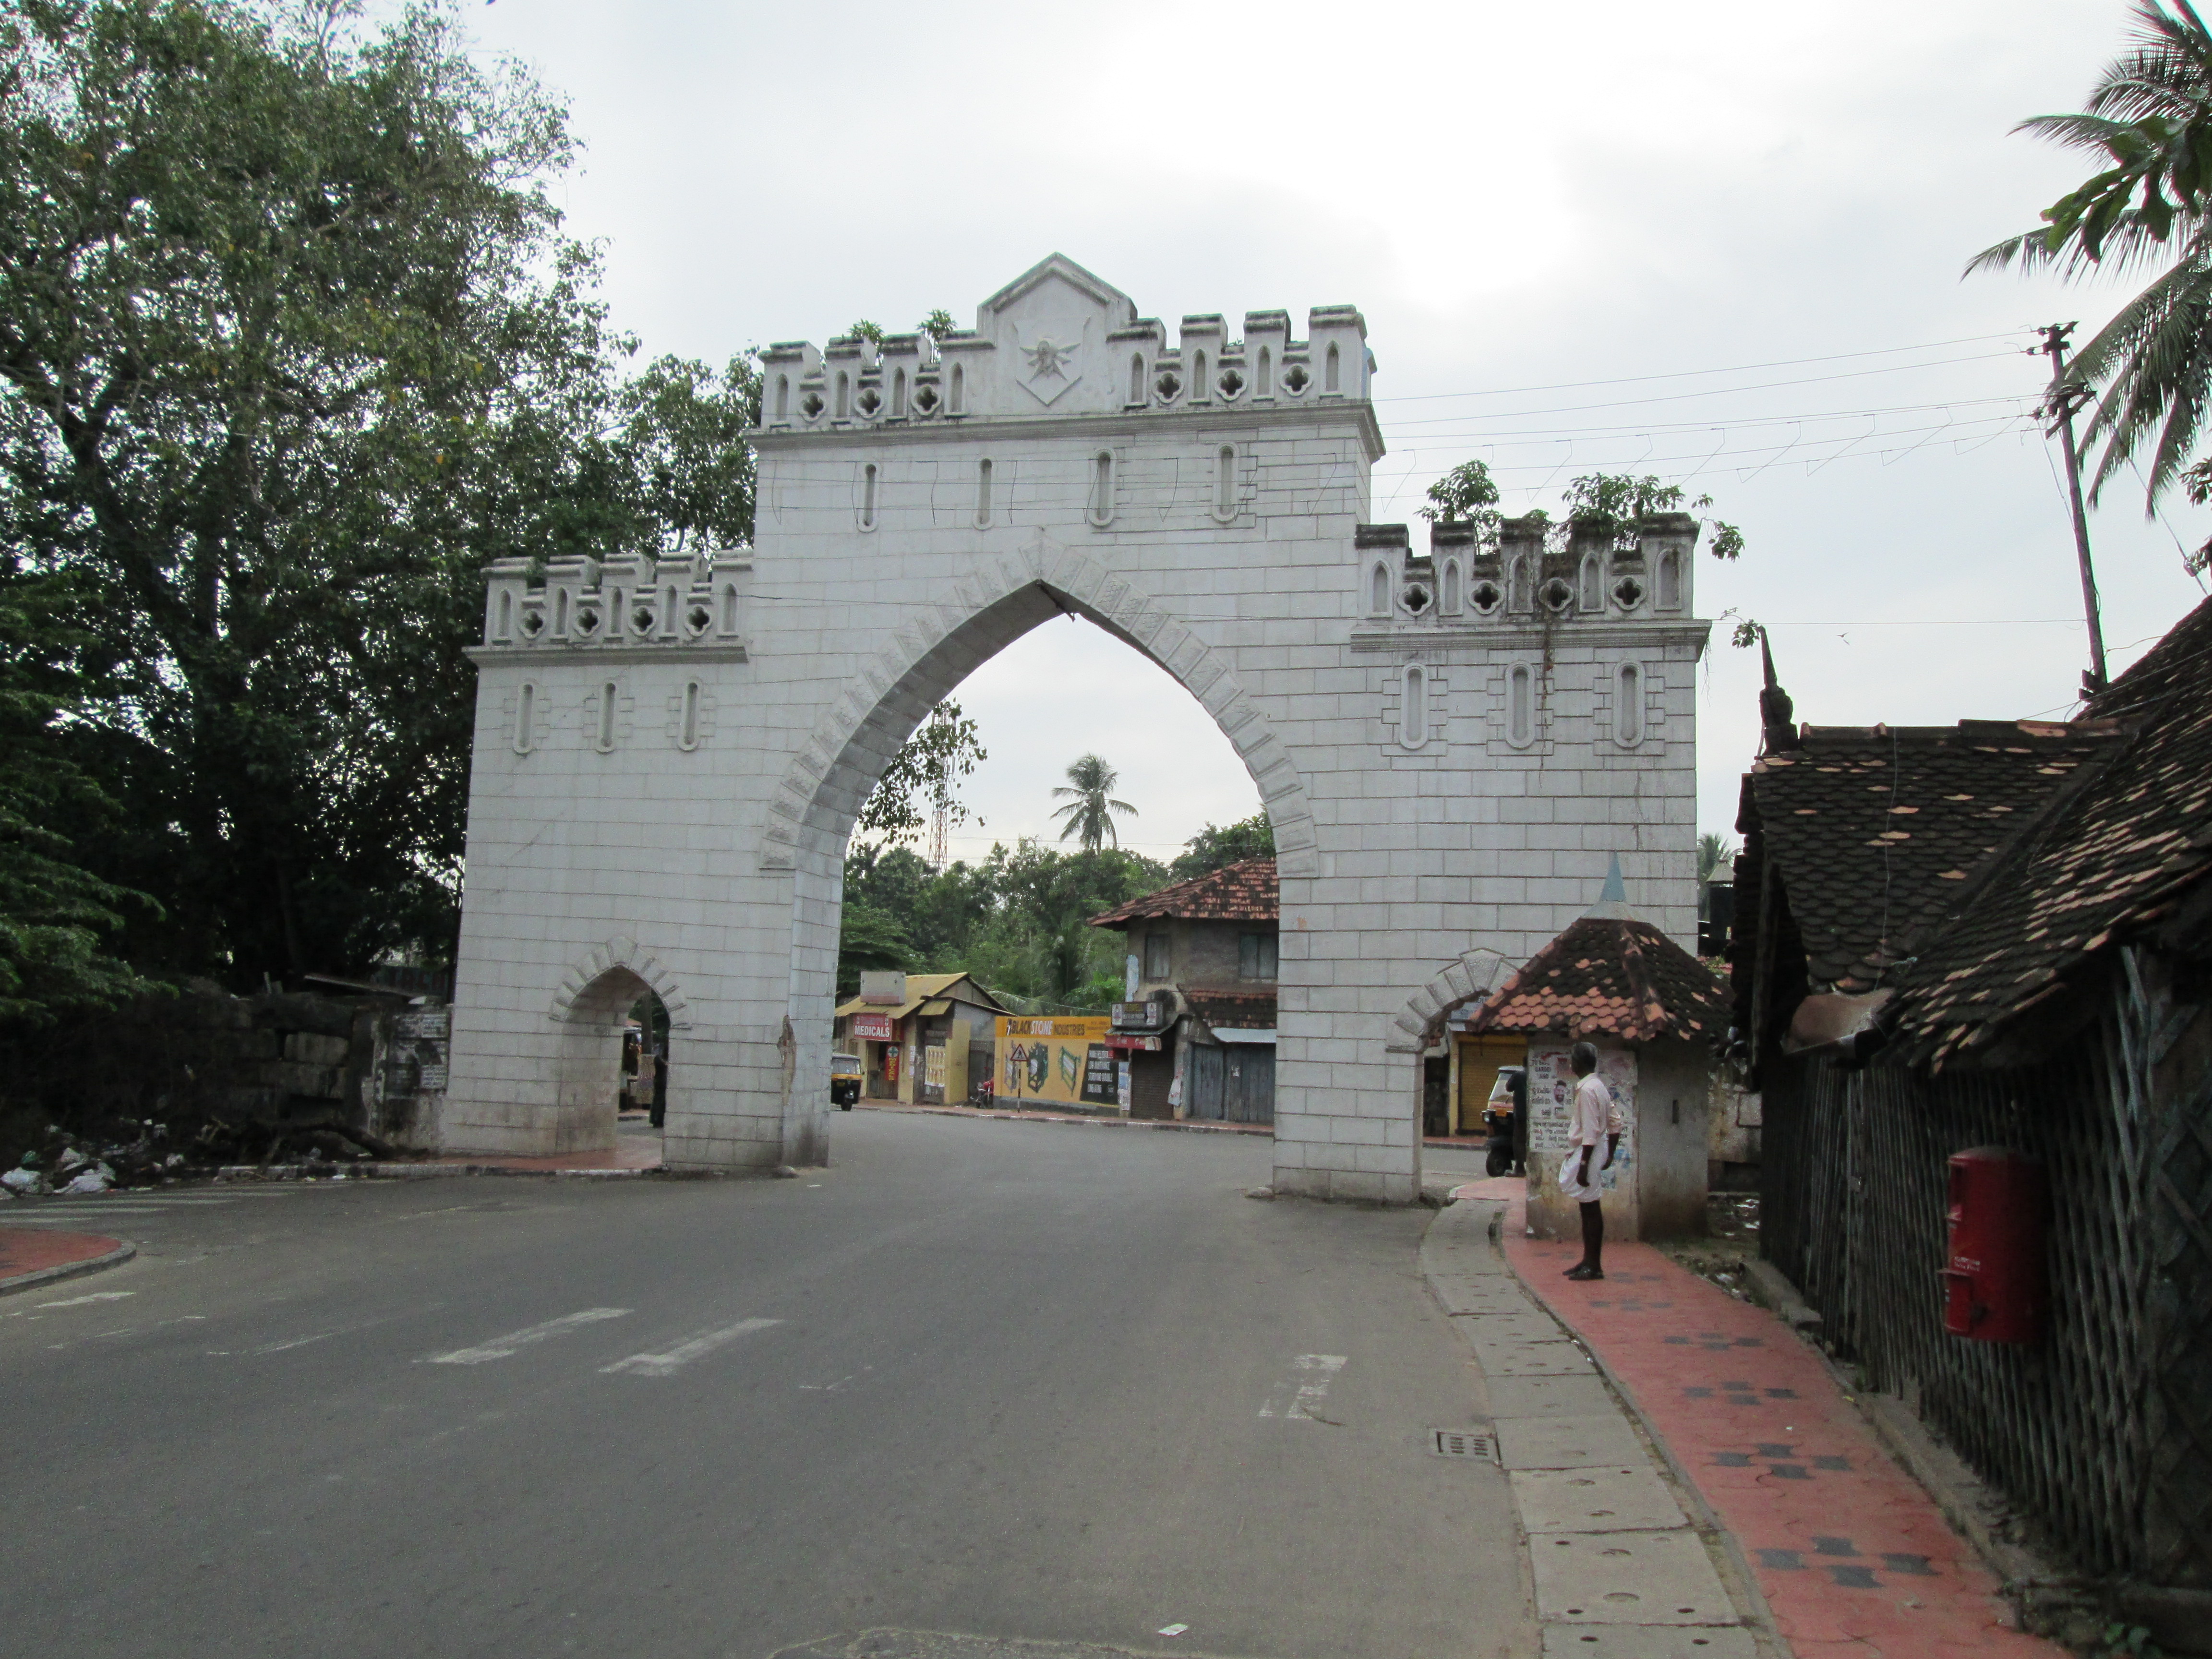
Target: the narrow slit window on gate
(898, 392)
(983, 492)
(1520, 706)
(868, 496)
(506, 616)
(1670, 580)
(783, 396)
(956, 402)
(1413, 713)
(561, 614)
(1224, 482)
(526, 719)
(604, 741)
(1331, 371)
(1448, 589)
(1267, 386)
(1137, 378)
(844, 395)
(687, 731)
(1378, 591)
(1628, 706)
(1198, 392)
(1101, 488)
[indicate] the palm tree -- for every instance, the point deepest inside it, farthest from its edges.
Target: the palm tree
(1713, 853)
(1089, 814)
(2150, 123)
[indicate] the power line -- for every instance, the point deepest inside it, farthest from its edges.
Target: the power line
(1685, 374)
(1716, 392)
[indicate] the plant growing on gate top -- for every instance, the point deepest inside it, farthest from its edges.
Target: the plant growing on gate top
(1468, 495)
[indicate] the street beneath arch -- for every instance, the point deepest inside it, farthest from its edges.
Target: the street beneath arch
(1014, 1381)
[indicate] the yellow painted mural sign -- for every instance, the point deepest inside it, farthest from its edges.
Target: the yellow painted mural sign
(1058, 1061)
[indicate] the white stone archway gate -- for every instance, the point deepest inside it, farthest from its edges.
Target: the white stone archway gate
(669, 754)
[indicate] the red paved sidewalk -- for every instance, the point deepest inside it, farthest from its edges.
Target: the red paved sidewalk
(25, 1251)
(1851, 1553)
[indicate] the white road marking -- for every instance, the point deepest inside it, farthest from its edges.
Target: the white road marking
(500, 1348)
(660, 1365)
(97, 1296)
(295, 1342)
(1297, 1395)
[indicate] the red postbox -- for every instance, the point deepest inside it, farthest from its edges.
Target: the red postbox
(1995, 1288)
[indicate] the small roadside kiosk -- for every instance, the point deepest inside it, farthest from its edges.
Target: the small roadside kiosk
(1652, 1011)
(919, 1035)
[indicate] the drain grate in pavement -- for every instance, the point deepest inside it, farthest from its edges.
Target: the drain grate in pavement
(1465, 1443)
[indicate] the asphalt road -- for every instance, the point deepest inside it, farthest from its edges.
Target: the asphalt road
(1014, 1379)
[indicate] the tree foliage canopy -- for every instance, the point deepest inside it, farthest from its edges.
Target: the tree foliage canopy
(1216, 848)
(291, 344)
(2148, 122)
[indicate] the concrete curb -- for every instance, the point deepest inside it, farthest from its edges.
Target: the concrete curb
(39, 1276)
(983, 1114)
(1754, 1618)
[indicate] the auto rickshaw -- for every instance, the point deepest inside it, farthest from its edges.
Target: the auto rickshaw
(1500, 1117)
(845, 1072)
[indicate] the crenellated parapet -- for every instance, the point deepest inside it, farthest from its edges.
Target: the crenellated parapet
(683, 603)
(1057, 342)
(1525, 578)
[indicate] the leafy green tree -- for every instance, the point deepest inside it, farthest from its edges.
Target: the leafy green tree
(2148, 122)
(1714, 854)
(928, 766)
(1617, 500)
(1213, 849)
(55, 915)
(1466, 494)
(1089, 815)
(290, 345)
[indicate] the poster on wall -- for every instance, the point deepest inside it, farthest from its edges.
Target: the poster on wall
(933, 1067)
(1551, 1110)
(1058, 1061)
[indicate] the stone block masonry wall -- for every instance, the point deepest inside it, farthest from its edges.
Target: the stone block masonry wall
(670, 757)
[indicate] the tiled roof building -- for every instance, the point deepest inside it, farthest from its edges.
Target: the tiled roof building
(1608, 975)
(1998, 937)
(1237, 892)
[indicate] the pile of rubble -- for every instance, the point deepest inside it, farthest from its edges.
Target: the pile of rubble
(145, 1154)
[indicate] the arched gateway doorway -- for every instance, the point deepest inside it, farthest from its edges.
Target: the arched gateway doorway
(669, 754)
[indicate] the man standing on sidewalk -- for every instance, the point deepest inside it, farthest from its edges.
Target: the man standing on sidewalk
(1588, 1151)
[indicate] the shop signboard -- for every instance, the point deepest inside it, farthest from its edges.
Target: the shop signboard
(1058, 1061)
(869, 1028)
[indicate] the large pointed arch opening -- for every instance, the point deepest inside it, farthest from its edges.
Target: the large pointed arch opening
(830, 780)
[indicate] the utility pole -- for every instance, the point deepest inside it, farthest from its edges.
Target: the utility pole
(2059, 411)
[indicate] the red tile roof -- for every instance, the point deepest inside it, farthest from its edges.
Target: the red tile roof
(1240, 892)
(1615, 976)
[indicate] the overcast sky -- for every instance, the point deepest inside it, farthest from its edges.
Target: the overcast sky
(1520, 199)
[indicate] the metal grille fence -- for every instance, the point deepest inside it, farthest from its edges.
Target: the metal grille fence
(2101, 1434)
